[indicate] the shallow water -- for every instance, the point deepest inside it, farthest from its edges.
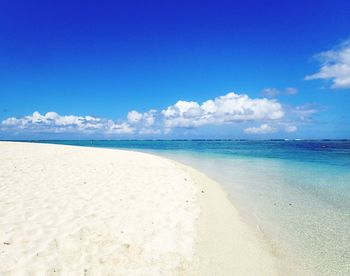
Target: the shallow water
(297, 191)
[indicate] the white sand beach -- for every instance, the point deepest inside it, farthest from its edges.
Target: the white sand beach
(68, 210)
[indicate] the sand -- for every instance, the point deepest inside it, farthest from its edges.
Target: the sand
(68, 210)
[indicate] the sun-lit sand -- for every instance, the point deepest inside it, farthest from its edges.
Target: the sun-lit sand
(88, 211)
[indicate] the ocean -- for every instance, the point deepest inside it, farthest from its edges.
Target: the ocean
(297, 192)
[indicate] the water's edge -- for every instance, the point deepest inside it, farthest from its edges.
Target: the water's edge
(296, 193)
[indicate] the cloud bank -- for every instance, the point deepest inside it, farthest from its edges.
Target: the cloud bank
(56, 123)
(221, 110)
(228, 110)
(335, 66)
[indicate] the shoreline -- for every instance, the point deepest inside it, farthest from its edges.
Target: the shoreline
(225, 236)
(222, 243)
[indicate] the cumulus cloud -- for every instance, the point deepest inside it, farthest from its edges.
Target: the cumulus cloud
(334, 66)
(53, 119)
(221, 110)
(115, 128)
(134, 116)
(262, 129)
(56, 123)
(147, 119)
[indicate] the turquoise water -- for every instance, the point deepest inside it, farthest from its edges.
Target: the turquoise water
(298, 192)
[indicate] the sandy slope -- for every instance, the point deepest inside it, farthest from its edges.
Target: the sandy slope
(87, 211)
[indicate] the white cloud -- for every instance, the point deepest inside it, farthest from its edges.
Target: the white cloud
(302, 112)
(224, 109)
(262, 129)
(53, 122)
(272, 92)
(53, 119)
(291, 128)
(147, 119)
(134, 116)
(122, 128)
(335, 66)
(272, 127)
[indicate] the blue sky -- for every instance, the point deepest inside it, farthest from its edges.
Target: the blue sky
(143, 69)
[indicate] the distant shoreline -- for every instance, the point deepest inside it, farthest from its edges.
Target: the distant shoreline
(272, 140)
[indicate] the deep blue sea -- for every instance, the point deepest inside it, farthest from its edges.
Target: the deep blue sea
(296, 192)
